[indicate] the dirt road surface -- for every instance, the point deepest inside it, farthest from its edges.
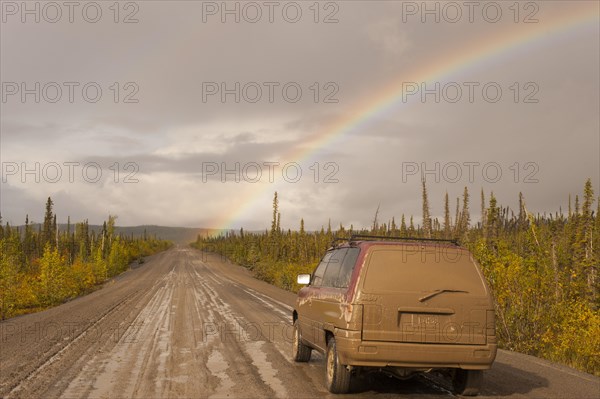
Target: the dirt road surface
(188, 324)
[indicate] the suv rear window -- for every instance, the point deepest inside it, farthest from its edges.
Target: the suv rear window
(335, 269)
(406, 269)
(340, 267)
(317, 278)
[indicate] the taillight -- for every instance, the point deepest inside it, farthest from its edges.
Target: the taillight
(490, 330)
(352, 315)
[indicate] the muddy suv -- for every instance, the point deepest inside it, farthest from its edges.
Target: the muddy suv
(400, 306)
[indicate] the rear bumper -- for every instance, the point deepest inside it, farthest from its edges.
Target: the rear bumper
(353, 351)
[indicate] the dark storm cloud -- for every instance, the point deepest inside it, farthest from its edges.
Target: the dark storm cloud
(170, 56)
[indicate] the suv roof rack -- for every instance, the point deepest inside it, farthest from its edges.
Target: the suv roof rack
(336, 240)
(367, 237)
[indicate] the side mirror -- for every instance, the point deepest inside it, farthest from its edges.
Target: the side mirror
(304, 279)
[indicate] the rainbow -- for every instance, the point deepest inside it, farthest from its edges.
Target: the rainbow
(486, 49)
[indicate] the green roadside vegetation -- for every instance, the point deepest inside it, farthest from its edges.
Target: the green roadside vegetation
(44, 268)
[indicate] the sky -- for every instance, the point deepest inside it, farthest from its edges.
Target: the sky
(191, 113)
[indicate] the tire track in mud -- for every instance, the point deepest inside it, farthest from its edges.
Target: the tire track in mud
(231, 348)
(188, 341)
(53, 356)
(142, 365)
(262, 329)
(100, 363)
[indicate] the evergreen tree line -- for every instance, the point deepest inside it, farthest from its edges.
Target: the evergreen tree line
(542, 269)
(46, 267)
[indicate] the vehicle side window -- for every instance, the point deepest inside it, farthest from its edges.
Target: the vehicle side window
(333, 268)
(347, 268)
(317, 277)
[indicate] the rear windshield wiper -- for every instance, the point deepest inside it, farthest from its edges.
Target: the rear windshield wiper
(436, 292)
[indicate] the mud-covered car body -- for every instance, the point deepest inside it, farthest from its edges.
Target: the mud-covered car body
(400, 306)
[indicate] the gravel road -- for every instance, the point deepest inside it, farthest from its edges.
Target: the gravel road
(189, 324)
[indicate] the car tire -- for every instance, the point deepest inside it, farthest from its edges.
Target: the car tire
(300, 352)
(467, 382)
(337, 375)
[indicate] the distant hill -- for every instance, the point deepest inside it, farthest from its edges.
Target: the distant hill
(178, 235)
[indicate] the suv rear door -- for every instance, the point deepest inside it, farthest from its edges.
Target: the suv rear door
(423, 294)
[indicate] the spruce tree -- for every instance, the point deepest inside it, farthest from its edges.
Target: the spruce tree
(275, 212)
(586, 218)
(47, 231)
(55, 230)
(403, 230)
(446, 217)
(457, 218)
(375, 225)
(465, 217)
(493, 218)
(483, 213)
(426, 215)
(522, 219)
(278, 228)
(28, 243)
(585, 236)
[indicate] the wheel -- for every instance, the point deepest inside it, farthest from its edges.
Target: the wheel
(338, 376)
(467, 382)
(300, 352)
